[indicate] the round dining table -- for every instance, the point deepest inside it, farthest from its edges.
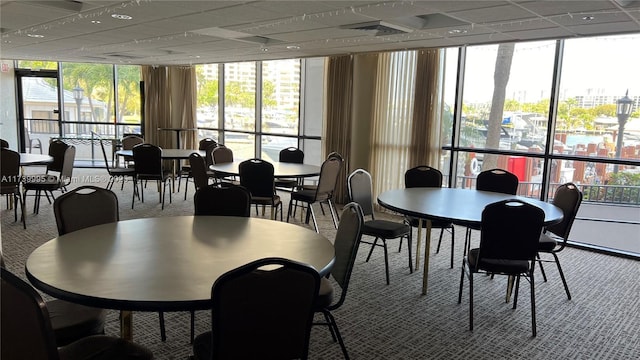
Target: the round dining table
(280, 169)
(164, 263)
(29, 159)
(460, 206)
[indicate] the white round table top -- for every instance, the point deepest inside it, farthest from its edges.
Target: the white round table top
(34, 159)
(461, 206)
(165, 263)
(168, 153)
(280, 169)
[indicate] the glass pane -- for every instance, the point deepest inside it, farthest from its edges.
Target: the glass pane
(37, 65)
(88, 107)
(128, 107)
(40, 108)
(511, 115)
(527, 169)
(271, 146)
(450, 86)
(207, 108)
(240, 96)
(242, 145)
(280, 96)
(588, 117)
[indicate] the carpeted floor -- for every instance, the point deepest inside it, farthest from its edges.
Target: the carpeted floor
(395, 321)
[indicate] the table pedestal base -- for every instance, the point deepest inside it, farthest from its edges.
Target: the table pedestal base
(126, 325)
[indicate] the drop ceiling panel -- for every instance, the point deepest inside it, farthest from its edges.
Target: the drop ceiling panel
(167, 31)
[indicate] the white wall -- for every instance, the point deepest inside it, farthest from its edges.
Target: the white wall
(8, 115)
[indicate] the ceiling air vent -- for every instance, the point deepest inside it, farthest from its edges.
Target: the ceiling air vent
(378, 28)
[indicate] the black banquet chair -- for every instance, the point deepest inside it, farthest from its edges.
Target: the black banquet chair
(360, 191)
(262, 310)
(49, 183)
(229, 200)
(508, 246)
(554, 238)
(290, 155)
(493, 180)
(346, 245)
(27, 331)
(329, 173)
(149, 166)
(11, 179)
(257, 176)
(116, 173)
(427, 176)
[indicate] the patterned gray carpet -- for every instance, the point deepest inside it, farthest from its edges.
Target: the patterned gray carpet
(395, 321)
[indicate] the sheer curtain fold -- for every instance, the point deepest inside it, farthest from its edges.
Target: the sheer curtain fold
(338, 121)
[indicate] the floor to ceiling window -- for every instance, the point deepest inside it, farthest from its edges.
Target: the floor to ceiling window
(95, 101)
(255, 108)
(517, 113)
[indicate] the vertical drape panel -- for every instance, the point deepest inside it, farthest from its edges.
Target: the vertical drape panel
(157, 105)
(184, 98)
(428, 108)
(339, 98)
(393, 114)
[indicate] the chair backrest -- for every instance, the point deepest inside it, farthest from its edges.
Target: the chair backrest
(148, 159)
(510, 231)
(336, 155)
(4, 144)
(204, 144)
(57, 150)
(83, 207)
(346, 246)
(497, 180)
(329, 172)
(66, 173)
(232, 200)
(198, 170)
(568, 198)
(422, 176)
(222, 154)
(9, 169)
(264, 313)
(291, 155)
(129, 141)
(360, 188)
(257, 176)
(208, 157)
(26, 328)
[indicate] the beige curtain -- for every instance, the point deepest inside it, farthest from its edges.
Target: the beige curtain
(157, 106)
(184, 101)
(392, 120)
(170, 102)
(337, 130)
(428, 109)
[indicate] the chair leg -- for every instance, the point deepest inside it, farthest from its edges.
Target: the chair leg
(334, 325)
(410, 255)
(544, 275)
(328, 320)
(386, 259)
(163, 333)
(193, 321)
(289, 210)
(564, 281)
(373, 245)
(453, 237)
(470, 300)
(515, 296)
(461, 282)
(533, 304)
(313, 215)
(334, 214)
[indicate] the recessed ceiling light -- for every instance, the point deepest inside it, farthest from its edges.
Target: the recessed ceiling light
(293, 47)
(121, 17)
(264, 49)
(96, 22)
(35, 35)
(588, 18)
(457, 31)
